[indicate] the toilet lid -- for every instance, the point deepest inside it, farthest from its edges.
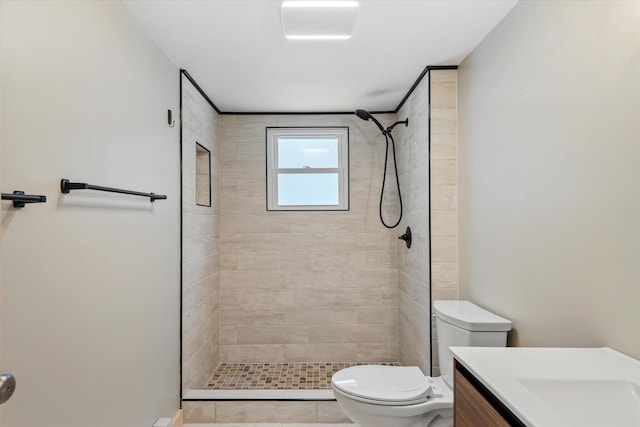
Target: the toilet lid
(398, 384)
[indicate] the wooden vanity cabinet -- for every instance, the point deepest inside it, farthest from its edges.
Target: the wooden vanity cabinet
(475, 406)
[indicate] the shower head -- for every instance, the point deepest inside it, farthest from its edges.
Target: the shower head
(365, 115)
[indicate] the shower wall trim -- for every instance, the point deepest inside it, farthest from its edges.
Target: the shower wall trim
(430, 231)
(182, 72)
(419, 79)
(202, 92)
(299, 113)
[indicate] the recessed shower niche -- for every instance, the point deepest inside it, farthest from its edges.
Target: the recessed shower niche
(203, 176)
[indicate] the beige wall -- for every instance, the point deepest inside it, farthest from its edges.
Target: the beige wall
(304, 286)
(413, 264)
(200, 260)
(444, 183)
(90, 280)
(550, 176)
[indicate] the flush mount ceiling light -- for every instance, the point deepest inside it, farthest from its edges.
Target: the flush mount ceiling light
(318, 19)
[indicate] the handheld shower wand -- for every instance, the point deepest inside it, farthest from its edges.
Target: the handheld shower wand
(365, 115)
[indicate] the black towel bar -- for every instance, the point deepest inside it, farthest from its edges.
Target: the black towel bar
(66, 187)
(20, 199)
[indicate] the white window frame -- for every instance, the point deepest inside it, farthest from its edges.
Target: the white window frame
(342, 135)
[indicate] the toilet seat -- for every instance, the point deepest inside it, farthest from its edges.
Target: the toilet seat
(383, 385)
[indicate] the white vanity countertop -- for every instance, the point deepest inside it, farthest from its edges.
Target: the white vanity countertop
(559, 387)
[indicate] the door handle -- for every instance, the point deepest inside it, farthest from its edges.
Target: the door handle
(7, 387)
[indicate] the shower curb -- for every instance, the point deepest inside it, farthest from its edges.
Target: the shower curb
(301, 410)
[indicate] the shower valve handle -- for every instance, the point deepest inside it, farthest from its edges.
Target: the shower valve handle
(406, 237)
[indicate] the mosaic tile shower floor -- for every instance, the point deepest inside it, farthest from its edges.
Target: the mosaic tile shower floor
(277, 376)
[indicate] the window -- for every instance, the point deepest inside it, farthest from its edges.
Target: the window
(307, 169)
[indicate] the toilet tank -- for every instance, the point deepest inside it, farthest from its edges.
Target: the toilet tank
(464, 324)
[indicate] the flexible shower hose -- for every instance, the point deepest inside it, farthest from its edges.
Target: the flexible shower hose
(388, 135)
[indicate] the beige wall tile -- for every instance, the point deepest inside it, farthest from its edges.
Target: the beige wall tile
(345, 334)
(444, 223)
(443, 76)
(251, 316)
(374, 278)
(444, 197)
(377, 353)
(251, 151)
(444, 274)
(443, 94)
(444, 249)
(413, 266)
(199, 412)
(416, 289)
(276, 222)
(228, 335)
(444, 146)
(316, 279)
(226, 152)
(232, 279)
(322, 315)
(272, 260)
(273, 335)
(444, 218)
(338, 297)
(333, 352)
(380, 315)
(330, 412)
(306, 271)
(445, 294)
(265, 412)
(444, 120)
(234, 204)
(230, 298)
(443, 172)
(295, 353)
(200, 260)
(252, 353)
(195, 271)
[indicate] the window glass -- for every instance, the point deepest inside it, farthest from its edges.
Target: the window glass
(297, 152)
(296, 189)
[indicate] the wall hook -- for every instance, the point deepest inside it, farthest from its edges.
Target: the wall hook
(172, 122)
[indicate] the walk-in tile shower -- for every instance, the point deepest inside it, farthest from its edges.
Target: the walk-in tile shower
(281, 300)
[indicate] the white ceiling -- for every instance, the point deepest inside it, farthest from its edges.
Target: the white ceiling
(237, 53)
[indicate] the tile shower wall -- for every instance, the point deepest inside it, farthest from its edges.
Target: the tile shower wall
(435, 97)
(413, 263)
(200, 265)
(444, 182)
(304, 286)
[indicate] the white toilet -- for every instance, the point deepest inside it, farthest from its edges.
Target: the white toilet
(402, 396)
